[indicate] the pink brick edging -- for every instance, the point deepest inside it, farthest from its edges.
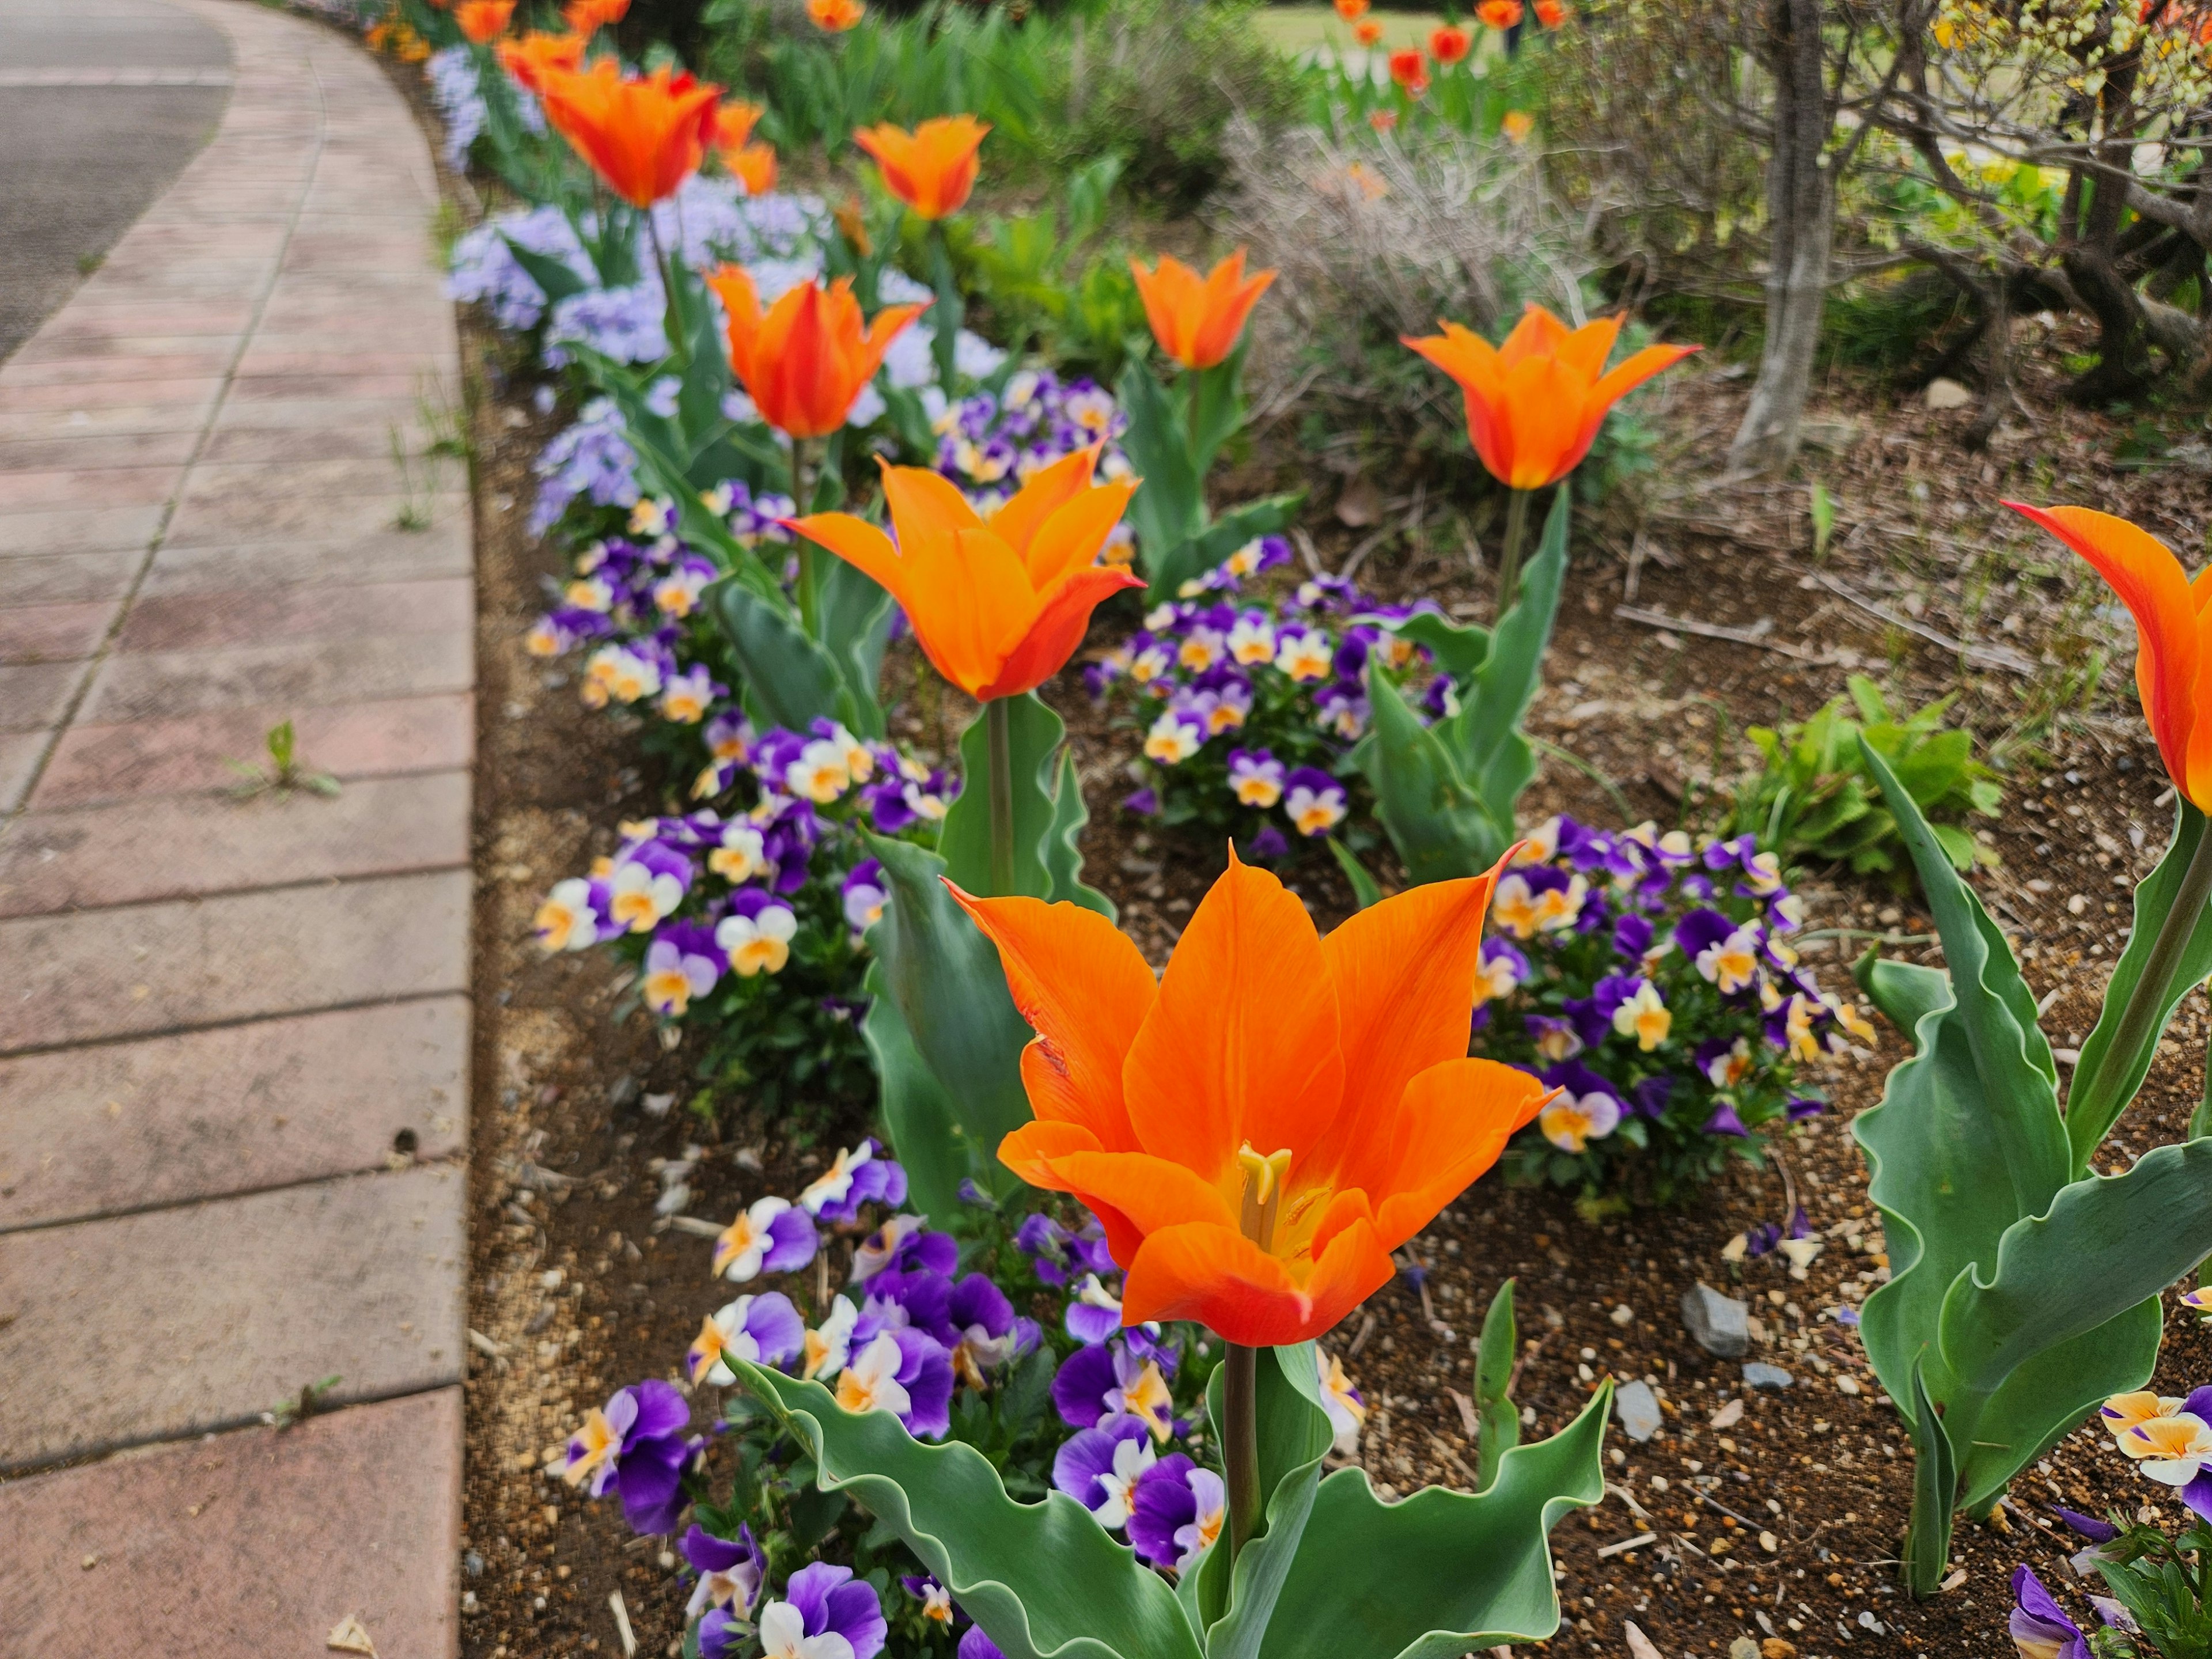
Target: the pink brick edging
(235, 1048)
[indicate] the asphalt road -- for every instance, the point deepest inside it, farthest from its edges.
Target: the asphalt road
(82, 159)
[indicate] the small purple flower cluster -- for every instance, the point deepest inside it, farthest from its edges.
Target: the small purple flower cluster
(704, 893)
(1252, 708)
(1650, 978)
(990, 445)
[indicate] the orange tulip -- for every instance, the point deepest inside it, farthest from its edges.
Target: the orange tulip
(1383, 120)
(587, 18)
(1449, 45)
(931, 169)
(1551, 13)
(1499, 13)
(1367, 33)
(1352, 10)
(834, 16)
(752, 165)
(1260, 1128)
(1197, 320)
(537, 55)
(1535, 404)
(483, 20)
(1410, 70)
(804, 360)
(734, 120)
(999, 605)
(644, 137)
(2173, 631)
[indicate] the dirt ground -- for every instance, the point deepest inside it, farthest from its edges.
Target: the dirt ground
(1779, 1523)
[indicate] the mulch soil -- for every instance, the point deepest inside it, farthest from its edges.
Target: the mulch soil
(1770, 1517)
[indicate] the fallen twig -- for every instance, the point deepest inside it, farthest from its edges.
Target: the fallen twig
(1711, 630)
(1989, 656)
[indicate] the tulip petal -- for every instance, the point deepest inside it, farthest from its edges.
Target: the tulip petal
(1048, 490)
(2143, 571)
(1634, 370)
(1538, 334)
(1240, 1043)
(1404, 972)
(1084, 988)
(924, 502)
(1220, 1277)
(1451, 1126)
(858, 544)
(1151, 1192)
(1584, 350)
(1063, 617)
(1030, 1151)
(1070, 538)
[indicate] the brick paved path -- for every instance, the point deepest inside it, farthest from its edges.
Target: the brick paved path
(233, 1035)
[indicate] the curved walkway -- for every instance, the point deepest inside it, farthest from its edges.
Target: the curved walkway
(233, 1033)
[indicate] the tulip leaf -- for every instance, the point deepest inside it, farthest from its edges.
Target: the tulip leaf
(1294, 1435)
(1485, 736)
(1935, 1489)
(1438, 824)
(1443, 1571)
(1212, 405)
(1365, 891)
(918, 1115)
(1063, 843)
(790, 680)
(2106, 1080)
(1500, 1424)
(1045, 1581)
(855, 622)
(554, 277)
(1170, 507)
(951, 994)
(1035, 736)
(1459, 649)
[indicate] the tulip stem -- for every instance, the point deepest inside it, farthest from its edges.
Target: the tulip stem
(1240, 1444)
(998, 728)
(1509, 564)
(671, 313)
(2091, 1095)
(801, 479)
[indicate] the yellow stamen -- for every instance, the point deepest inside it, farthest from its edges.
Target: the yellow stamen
(1263, 1191)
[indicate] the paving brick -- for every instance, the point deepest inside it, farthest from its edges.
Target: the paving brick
(35, 695)
(191, 963)
(444, 550)
(285, 513)
(230, 1306)
(91, 857)
(70, 578)
(131, 1126)
(19, 759)
(295, 674)
(135, 486)
(78, 530)
(87, 451)
(202, 622)
(190, 395)
(52, 632)
(250, 1545)
(177, 756)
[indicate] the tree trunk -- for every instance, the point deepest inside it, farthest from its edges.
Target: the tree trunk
(1801, 205)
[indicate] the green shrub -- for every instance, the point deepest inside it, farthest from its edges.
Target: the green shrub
(1814, 801)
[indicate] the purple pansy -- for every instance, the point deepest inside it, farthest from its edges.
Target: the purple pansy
(1095, 1314)
(1175, 1513)
(1099, 1469)
(862, 894)
(636, 1443)
(2038, 1625)
(977, 1645)
(762, 1330)
(823, 1600)
(729, 1570)
(857, 1176)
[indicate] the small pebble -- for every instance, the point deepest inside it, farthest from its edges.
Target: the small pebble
(1758, 1375)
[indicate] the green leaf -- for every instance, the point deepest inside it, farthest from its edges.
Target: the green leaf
(1437, 822)
(552, 275)
(855, 622)
(1485, 736)
(1444, 1572)
(1935, 1488)
(1499, 1423)
(1169, 507)
(2086, 1275)
(1365, 892)
(1045, 1581)
(2105, 1080)
(1460, 649)
(1216, 405)
(952, 994)
(919, 1116)
(1063, 844)
(789, 678)
(1035, 735)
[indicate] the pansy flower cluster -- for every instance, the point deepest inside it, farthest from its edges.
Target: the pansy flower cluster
(1249, 705)
(991, 442)
(1009, 1338)
(749, 915)
(2158, 1604)
(1650, 979)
